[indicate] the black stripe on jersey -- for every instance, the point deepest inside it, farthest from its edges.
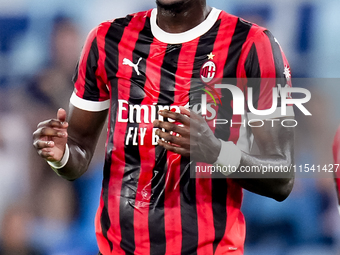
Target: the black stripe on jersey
(132, 156)
(229, 74)
(188, 209)
(111, 63)
(219, 188)
(91, 90)
(204, 47)
(168, 71)
(156, 210)
(253, 72)
(239, 37)
(112, 41)
(166, 97)
(278, 60)
(188, 185)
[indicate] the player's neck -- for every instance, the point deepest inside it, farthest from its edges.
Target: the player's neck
(182, 20)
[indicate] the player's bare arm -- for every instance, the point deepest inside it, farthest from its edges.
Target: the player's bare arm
(80, 133)
(198, 141)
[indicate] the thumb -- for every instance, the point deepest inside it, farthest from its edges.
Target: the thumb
(61, 115)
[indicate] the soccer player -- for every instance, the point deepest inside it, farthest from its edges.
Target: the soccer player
(142, 72)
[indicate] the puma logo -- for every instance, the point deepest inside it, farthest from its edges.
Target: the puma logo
(128, 62)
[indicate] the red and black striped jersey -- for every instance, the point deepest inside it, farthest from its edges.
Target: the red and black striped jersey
(149, 203)
(336, 157)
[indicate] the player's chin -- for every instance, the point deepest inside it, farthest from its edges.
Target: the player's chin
(169, 3)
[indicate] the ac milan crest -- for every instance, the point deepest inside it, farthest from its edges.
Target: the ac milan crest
(208, 71)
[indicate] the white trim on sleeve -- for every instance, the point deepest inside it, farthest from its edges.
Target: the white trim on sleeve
(276, 114)
(230, 156)
(88, 105)
(60, 164)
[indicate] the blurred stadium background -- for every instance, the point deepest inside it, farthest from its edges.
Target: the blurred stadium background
(40, 42)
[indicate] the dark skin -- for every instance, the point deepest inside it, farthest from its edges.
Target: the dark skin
(182, 16)
(83, 128)
(198, 142)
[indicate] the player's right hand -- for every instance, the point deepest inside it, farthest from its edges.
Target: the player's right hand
(50, 138)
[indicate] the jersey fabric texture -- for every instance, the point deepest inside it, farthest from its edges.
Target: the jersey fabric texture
(336, 157)
(149, 204)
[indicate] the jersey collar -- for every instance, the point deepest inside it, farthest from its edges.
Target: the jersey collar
(178, 38)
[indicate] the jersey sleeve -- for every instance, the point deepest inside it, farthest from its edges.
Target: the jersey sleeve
(266, 67)
(90, 88)
(336, 157)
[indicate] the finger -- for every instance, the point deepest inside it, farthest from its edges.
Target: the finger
(184, 111)
(61, 115)
(193, 115)
(179, 150)
(173, 139)
(176, 116)
(47, 154)
(53, 123)
(172, 127)
(50, 132)
(40, 144)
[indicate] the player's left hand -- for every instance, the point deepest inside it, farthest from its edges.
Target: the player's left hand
(195, 139)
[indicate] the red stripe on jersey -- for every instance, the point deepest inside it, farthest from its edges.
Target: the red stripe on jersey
(223, 41)
(241, 72)
(183, 77)
(147, 152)
(234, 194)
(101, 74)
(172, 206)
(205, 216)
(267, 68)
(79, 84)
(230, 22)
(125, 49)
(336, 157)
(102, 241)
(233, 239)
(204, 188)
(235, 231)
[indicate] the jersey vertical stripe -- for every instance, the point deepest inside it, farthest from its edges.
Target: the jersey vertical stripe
(171, 190)
(155, 239)
(110, 225)
(219, 186)
(102, 214)
(153, 234)
(252, 70)
(238, 39)
(144, 191)
(187, 186)
(278, 59)
(267, 68)
(91, 90)
(132, 156)
(101, 74)
(84, 64)
(205, 219)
